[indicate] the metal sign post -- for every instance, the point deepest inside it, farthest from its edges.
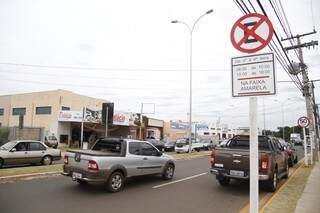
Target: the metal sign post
(304, 122)
(254, 155)
(252, 76)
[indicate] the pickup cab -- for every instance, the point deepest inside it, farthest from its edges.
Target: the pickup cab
(112, 160)
(232, 161)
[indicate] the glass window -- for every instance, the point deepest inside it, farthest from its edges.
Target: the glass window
(65, 108)
(1, 111)
(34, 146)
(46, 110)
(147, 149)
(19, 111)
(134, 148)
(109, 146)
(21, 147)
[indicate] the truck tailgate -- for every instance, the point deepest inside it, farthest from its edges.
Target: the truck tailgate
(232, 159)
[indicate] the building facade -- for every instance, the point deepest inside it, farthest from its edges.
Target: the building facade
(43, 109)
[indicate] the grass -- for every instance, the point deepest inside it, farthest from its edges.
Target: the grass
(30, 170)
(285, 200)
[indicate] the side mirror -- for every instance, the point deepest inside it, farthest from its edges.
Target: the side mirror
(13, 150)
(159, 154)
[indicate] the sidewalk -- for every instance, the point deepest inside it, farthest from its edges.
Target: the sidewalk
(310, 198)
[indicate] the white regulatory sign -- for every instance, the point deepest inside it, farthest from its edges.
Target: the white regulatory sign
(303, 122)
(253, 75)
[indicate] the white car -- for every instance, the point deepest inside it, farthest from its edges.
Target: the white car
(182, 145)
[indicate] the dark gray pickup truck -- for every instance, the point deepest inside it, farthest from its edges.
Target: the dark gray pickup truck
(232, 161)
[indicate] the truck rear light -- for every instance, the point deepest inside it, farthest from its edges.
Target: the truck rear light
(264, 161)
(65, 160)
(212, 157)
(93, 166)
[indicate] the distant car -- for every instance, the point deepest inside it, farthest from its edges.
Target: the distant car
(182, 145)
(207, 144)
(223, 143)
(158, 144)
(51, 141)
(27, 152)
(169, 146)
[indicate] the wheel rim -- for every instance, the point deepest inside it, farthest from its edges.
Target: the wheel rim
(116, 182)
(169, 172)
(47, 160)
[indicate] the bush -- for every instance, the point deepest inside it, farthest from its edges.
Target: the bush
(4, 133)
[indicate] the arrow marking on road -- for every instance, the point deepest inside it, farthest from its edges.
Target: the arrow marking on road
(177, 181)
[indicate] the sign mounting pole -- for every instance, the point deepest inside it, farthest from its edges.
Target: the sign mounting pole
(253, 76)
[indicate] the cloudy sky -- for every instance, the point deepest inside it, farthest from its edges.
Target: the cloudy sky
(128, 52)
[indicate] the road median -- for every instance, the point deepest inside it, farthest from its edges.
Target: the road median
(11, 174)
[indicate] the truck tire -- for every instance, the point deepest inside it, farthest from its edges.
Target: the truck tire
(168, 172)
(1, 163)
(286, 171)
(271, 185)
(296, 160)
(82, 182)
(224, 181)
(115, 182)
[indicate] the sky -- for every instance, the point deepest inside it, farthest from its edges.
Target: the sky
(129, 52)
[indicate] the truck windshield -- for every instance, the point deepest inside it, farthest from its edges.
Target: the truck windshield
(242, 142)
(111, 146)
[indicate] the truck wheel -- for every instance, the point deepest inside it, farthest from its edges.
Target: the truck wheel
(295, 160)
(286, 171)
(168, 172)
(82, 182)
(1, 163)
(115, 182)
(224, 181)
(273, 182)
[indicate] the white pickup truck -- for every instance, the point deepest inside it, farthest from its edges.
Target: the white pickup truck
(182, 145)
(111, 160)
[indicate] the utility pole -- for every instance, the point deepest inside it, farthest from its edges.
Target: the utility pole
(306, 85)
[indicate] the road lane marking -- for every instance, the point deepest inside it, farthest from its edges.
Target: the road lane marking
(177, 181)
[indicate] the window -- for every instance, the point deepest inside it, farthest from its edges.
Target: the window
(34, 146)
(19, 111)
(1, 111)
(65, 108)
(43, 110)
(108, 146)
(134, 148)
(147, 149)
(21, 147)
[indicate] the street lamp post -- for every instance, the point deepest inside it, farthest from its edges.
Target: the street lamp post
(282, 112)
(190, 93)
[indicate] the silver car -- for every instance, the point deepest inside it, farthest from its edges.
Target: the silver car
(112, 160)
(27, 152)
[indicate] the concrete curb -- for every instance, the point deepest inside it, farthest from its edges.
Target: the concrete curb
(26, 176)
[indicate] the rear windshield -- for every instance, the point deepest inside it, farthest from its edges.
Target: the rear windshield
(108, 146)
(241, 142)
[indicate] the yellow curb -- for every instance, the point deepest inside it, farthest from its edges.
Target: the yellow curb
(263, 194)
(280, 189)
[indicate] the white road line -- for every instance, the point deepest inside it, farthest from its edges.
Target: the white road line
(177, 181)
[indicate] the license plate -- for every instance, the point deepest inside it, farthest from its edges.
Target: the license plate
(76, 175)
(237, 173)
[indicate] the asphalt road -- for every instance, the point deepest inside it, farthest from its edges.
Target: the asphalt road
(200, 193)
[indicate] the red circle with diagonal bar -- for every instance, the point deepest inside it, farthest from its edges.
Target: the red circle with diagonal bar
(251, 33)
(303, 122)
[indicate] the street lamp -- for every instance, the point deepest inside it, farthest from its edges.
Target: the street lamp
(282, 111)
(190, 93)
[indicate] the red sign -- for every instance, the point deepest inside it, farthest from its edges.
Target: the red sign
(251, 33)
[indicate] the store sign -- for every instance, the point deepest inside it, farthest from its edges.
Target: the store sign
(70, 116)
(93, 116)
(121, 118)
(155, 122)
(178, 125)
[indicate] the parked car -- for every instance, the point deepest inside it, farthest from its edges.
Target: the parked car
(207, 144)
(157, 143)
(291, 152)
(232, 161)
(27, 152)
(51, 141)
(182, 145)
(112, 160)
(169, 146)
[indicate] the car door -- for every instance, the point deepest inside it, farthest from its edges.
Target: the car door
(18, 154)
(135, 159)
(152, 162)
(280, 156)
(36, 152)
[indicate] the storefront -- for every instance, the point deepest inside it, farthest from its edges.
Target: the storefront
(154, 128)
